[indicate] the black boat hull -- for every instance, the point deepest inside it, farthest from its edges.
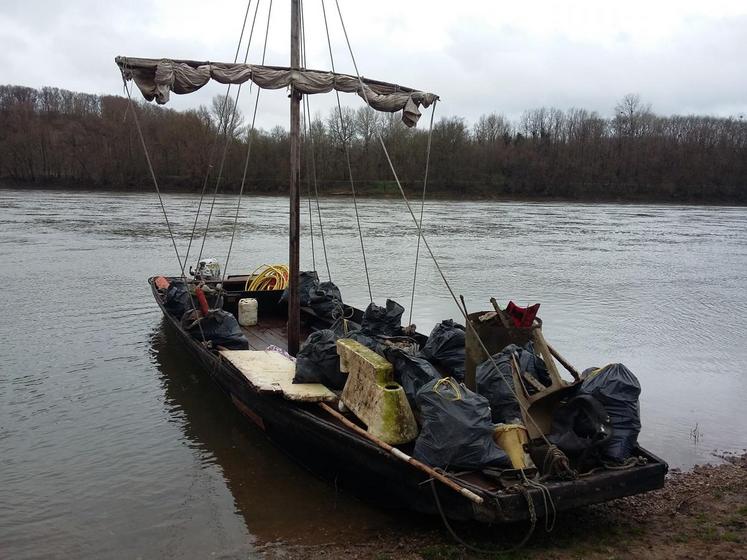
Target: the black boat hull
(357, 465)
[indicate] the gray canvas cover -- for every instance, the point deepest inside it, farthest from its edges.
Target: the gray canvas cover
(156, 78)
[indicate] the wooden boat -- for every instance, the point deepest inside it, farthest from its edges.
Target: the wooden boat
(329, 444)
(331, 450)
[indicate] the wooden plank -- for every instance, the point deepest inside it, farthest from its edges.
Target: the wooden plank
(255, 342)
(271, 372)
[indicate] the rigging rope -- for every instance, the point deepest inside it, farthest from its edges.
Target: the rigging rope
(158, 192)
(347, 158)
(307, 113)
(432, 255)
(214, 147)
(304, 120)
(316, 189)
(152, 173)
(228, 137)
(249, 140)
(422, 207)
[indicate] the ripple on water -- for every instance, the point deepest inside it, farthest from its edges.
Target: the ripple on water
(113, 441)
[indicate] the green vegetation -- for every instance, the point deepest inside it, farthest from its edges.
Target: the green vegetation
(57, 138)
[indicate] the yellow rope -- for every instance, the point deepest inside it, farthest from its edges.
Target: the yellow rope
(267, 277)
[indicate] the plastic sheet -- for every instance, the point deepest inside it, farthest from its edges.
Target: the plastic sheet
(456, 428)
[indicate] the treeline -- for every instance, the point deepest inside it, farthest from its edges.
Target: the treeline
(57, 138)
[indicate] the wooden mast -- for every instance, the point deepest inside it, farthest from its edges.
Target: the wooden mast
(294, 307)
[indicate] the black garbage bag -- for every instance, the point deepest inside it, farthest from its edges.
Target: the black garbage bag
(323, 298)
(318, 362)
(618, 390)
(445, 348)
(498, 386)
(326, 301)
(308, 280)
(365, 340)
(456, 428)
(219, 327)
(412, 372)
(177, 299)
(383, 321)
(581, 428)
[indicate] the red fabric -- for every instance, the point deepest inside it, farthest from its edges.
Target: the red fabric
(162, 283)
(523, 317)
(202, 300)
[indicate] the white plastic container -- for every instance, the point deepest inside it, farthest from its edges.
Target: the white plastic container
(247, 312)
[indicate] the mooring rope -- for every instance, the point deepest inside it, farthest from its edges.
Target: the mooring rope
(532, 524)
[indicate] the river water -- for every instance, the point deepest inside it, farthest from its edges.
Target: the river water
(112, 443)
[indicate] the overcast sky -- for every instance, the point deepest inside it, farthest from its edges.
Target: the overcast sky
(480, 56)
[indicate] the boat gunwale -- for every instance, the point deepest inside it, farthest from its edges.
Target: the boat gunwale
(501, 505)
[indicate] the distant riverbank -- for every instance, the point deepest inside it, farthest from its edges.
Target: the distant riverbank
(54, 137)
(383, 190)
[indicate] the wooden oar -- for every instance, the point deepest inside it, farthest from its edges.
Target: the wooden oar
(404, 456)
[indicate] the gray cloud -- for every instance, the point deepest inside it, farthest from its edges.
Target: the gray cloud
(477, 60)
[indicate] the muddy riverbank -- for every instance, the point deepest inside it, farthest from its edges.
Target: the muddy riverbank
(698, 514)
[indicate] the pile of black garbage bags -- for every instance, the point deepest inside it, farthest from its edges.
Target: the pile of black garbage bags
(218, 327)
(600, 419)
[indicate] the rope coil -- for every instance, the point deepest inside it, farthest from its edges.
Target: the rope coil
(267, 277)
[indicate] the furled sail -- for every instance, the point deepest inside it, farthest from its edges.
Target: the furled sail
(156, 78)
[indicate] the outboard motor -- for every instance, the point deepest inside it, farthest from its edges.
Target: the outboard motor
(207, 269)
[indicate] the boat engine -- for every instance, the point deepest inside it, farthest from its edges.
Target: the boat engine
(207, 269)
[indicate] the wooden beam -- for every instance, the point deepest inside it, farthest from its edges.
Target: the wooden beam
(294, 301)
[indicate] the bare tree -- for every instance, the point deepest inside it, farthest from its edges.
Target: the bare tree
(490, 128)
(227, 116)
(631, 115)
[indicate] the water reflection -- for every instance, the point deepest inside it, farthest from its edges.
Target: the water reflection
(277, 499)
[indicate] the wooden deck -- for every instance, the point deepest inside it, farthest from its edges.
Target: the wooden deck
(268, 332)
